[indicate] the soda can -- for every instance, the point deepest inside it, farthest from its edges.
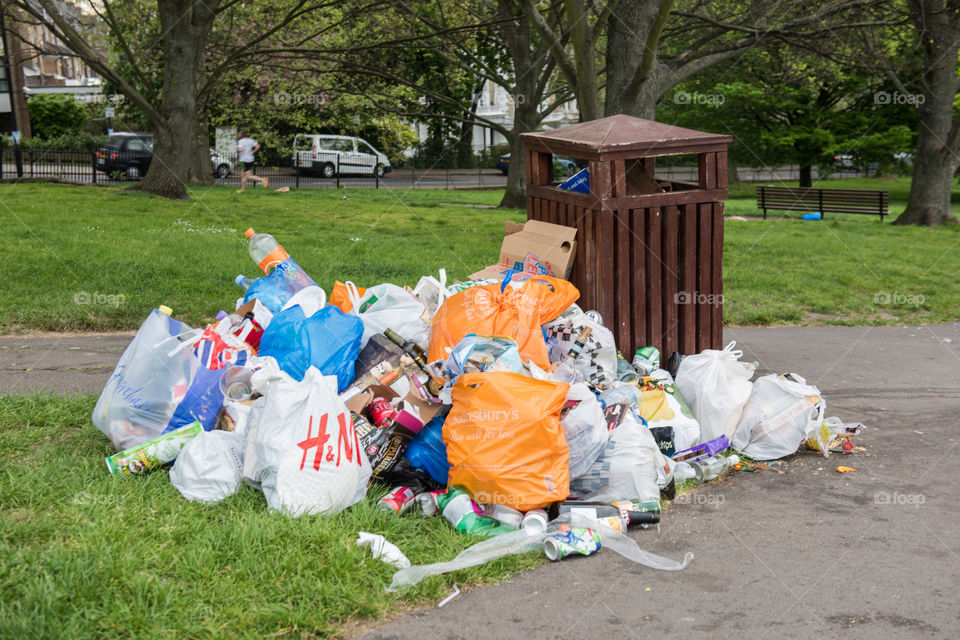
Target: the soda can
(398, 500)
(382, 412)
(534, 520)
(153, 453)
(576, 540)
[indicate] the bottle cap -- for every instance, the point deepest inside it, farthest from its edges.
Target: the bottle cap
(239, 280)
(221, 314)
(165, 310)
(249, 232)
(734, 459)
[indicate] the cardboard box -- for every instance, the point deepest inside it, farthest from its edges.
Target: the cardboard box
(534, 248)
(412, 413)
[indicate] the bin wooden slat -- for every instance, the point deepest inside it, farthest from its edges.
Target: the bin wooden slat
(671, 273)
(704, 276)
(688, 277)
(717, 277)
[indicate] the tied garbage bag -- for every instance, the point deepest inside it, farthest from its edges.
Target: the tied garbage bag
(387, 306)
(597, 362)
(504, 440)
(782, 412)
(307, 449)
(526, 540)
(716, 385)
(210, 466)
(502, 310)
(628, 466)
(585, 429)
(157, 386)
(328, 340)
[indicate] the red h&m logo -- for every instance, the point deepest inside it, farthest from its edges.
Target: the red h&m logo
(347, 442)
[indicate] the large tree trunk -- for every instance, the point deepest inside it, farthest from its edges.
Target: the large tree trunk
(526, 116)
(934, 164)
(181, 152)
(630, 89)
(806, 175)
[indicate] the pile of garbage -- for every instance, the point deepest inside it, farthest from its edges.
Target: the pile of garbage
(497, 403)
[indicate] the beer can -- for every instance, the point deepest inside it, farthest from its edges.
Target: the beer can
(576, 540)
(382, 412)
(646, 360)
(428, 503)
(535, 520)
(398, 500)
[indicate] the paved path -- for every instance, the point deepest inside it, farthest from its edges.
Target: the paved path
(808, 554)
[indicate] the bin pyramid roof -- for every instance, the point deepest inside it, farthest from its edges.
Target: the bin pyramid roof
(622, 135)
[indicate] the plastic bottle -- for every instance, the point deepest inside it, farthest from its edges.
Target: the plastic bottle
(265, 250)
(504, 514)
(713, 466)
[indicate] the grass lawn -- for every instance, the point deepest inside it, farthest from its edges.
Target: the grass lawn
(97, 259)
(87, 555)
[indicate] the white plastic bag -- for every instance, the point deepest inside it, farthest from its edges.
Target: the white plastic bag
(387, 306)
(598, 360)
(779, 416)
(308, 451)
(585, 429)
(627, 465)
(209, 467)
(382, 548)
(715, 385)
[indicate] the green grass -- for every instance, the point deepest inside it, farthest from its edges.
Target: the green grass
(84, 554)
(97, 259)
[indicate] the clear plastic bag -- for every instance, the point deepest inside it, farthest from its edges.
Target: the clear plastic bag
(387, 306)
(779, 416)
(584, 428)
(525, 540)
(157, 386)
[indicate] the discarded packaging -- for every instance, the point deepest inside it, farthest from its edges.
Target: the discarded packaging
(535, 247)
(152, 453)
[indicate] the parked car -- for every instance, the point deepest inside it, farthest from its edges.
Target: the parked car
(327, 155)
(562, 167)
(128, 153)
(221, 163)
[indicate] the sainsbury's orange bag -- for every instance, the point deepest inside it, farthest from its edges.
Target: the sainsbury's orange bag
(515, 313)
(504, 441)
(340, 296)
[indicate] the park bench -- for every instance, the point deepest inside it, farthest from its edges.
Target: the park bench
(823, 200)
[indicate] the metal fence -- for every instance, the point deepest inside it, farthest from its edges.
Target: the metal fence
(117, 168)
(120, 167)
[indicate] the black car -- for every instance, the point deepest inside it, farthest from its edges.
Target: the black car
(128, 153)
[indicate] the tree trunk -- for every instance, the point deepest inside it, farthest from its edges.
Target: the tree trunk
(181, 152)
(806, 175)
(627, 85)
(732, 175)
(515, 195)
(934, 164)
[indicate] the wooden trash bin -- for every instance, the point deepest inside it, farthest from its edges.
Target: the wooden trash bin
(649, 252)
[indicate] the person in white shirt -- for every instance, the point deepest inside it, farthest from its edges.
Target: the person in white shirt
(246, 147)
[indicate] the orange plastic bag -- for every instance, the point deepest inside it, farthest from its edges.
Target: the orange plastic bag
(340, 298)
(512, 313)
(504, 441)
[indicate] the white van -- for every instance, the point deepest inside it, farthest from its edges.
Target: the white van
(327, 155)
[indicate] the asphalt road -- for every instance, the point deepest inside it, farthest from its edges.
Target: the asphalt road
(811, 553)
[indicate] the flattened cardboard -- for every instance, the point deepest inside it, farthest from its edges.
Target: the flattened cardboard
(534, 248)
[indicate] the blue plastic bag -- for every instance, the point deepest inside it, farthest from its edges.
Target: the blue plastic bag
(328, 340)
(427, 451)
